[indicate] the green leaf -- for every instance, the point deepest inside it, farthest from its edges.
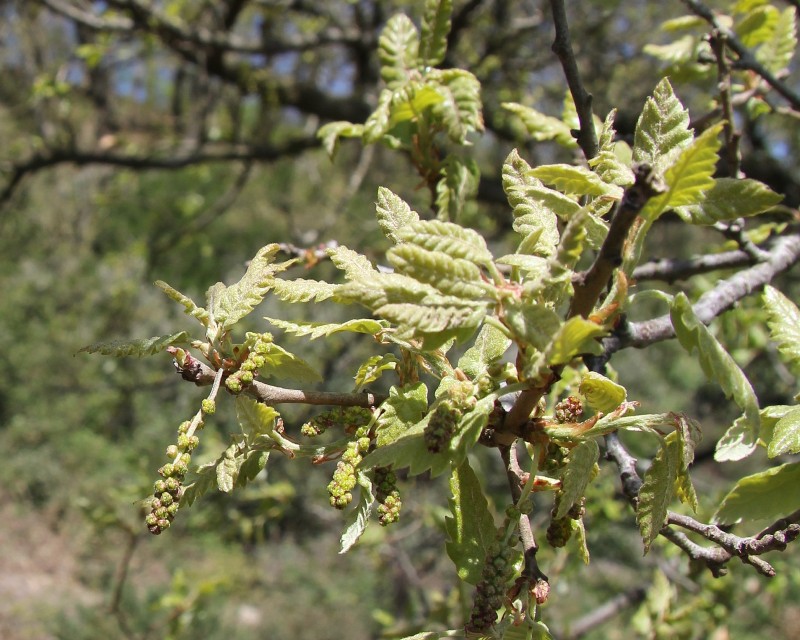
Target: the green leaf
(575, 475)
(228, 469)
(435, 27)
(470, 527)
(228, 305)
(757, 26)
(324, 329)
(373, 368)
(398, 50)
(409, 451)
(458, 185)
(575, 181)
(205, 479)
(542, 127)
(689, 176)
(140, 347)
(358, 519)
(460, 109)
(452, 276)
(784, 325)
(449, 238)
(333, 131)
(393, 213)
(378, 122)
(613, 160)
(301, 290)
(415, 319)
(662, 131)
(355, 266)
(255, 418)
(538, 223)
(575, 337)
(404, 408)
(282, 364)
(729, 199)
(189, 305)
(738, 442)
(601, 393)
(683, 441)
(658, 490)
(786, 435)
(767, 495)
(778, 51)
(489, 347)
(718, 365)
(535, 324)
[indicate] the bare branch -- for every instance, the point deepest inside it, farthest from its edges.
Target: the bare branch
(562, 47)
(746, 58)
(203, 375)
(782, 256)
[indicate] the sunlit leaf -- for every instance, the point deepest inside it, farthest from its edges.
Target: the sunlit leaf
(575, 475)
(729, 199)
(393, 213)
(358, 518)
(435, 27)
(656, 493)
(786, 435)
(662, 131)
(601, 393)
(470, 527)
(766, 495)
(398, 48)
(140, 347)
(784, 325)
(718, 365)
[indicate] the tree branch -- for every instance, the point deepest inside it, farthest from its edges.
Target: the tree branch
(562, 47)
(746, 59)
(783, 255)
(748, 549)
(203, 375)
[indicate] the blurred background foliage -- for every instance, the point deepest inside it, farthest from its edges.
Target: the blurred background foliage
(134, 149)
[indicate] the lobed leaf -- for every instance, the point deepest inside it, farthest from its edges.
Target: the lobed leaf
(449, 238)
(613, 160)
(280, 363)
(537, 223)
(662, 131)
(433, 318)
(331, 133)
(460, 109)
(576, 474)
(189, 305)
(534, 324)
(398, 50)
(542, 127)
(729, 199)
(689, 176)
(228, 305)
(373, 368)
(378, 122)
(766, 495)
(786, 434)
(255, 418)
(321, 329)
(452, 276)
(458, 185)
(354, 265)
(404, 408)
(776, 53)
(358, 519)
(656, 493)
(576, 181)
(718, 365)
(470, 527)
(489, 347)
(435, 28)
(393, 213)
(302, 290)
(139, 347)
(784, 325)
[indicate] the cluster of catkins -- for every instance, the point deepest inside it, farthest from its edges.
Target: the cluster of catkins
(446, 416)
(560, 529)
(168, 491)
(491, 591)
(387, 495)
(344, 476)
(255, 360)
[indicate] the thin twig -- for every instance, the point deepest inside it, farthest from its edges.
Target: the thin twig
(562, 47)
